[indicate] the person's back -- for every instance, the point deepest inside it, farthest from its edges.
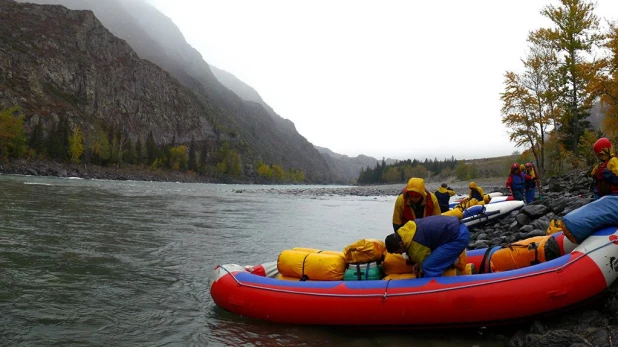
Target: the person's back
(432, 243)
(476, 192)
(443, 194)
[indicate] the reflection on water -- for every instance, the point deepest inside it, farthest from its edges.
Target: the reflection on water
(92, 262)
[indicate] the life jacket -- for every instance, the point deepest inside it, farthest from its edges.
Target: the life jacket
(408, 214)
(531, 251)
(603, 187)
(519, 181)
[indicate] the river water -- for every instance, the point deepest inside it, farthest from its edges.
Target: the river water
(126, 263)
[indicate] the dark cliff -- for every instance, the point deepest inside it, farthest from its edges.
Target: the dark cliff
(65, 63)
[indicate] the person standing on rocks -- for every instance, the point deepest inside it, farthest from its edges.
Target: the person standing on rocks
(443, 194)
(605, 173)
(414, 202)
(530, 184)
(516, 183)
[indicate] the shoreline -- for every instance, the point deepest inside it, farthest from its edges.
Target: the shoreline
(55, 169)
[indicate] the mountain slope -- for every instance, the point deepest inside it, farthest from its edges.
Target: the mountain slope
(247, 125)
(64, 62)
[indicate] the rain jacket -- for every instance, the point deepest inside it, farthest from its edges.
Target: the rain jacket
(444, 196)
(530, 183)
(434, 243)
(406, 210)
(516, 183)
(476, 192)
(605, 177)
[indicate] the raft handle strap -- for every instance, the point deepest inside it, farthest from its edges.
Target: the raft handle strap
(304, 277)
(535, 246)
(485, 258)
(358, 272)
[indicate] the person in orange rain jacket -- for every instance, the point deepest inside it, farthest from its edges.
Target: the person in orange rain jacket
(414, 202)
(443, 194)
(605, 173)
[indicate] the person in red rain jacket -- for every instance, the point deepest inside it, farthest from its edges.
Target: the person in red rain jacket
(516, 182)
(604, 174)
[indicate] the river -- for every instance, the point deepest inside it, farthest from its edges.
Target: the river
(126, 263)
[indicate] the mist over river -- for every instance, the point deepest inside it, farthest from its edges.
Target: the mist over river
(126, 263)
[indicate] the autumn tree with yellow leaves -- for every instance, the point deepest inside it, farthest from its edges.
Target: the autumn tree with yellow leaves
(552, 98)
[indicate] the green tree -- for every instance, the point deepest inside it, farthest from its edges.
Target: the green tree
(139, 154)
(37, 141)
(151, 149)
(391, 175)
(278, 173)
(178, 158)
(100, 147)
(461, 171)
(264, 170)
(574, 37)
(12, 137)
(76, 144)
(605, 84)
(192, 165)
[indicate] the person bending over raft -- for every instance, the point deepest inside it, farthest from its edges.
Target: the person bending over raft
(432, 243)
(414, 202)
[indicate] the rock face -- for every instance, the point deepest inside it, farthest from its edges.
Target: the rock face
(65, 63)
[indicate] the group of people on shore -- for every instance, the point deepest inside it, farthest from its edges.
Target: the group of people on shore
(433, 241)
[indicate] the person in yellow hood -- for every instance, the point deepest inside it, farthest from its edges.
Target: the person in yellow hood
(414, 202)
(432, 243)
(443, 194)
(476, 192)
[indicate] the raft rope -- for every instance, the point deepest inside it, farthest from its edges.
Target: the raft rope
(304, 277)
(386, 294)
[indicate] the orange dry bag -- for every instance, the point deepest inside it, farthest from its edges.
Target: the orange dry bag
(517, 255)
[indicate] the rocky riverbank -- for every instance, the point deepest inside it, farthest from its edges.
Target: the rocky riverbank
(594, 323)
(135, 173)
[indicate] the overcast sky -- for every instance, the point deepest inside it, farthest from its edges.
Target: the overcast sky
(395, 79)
